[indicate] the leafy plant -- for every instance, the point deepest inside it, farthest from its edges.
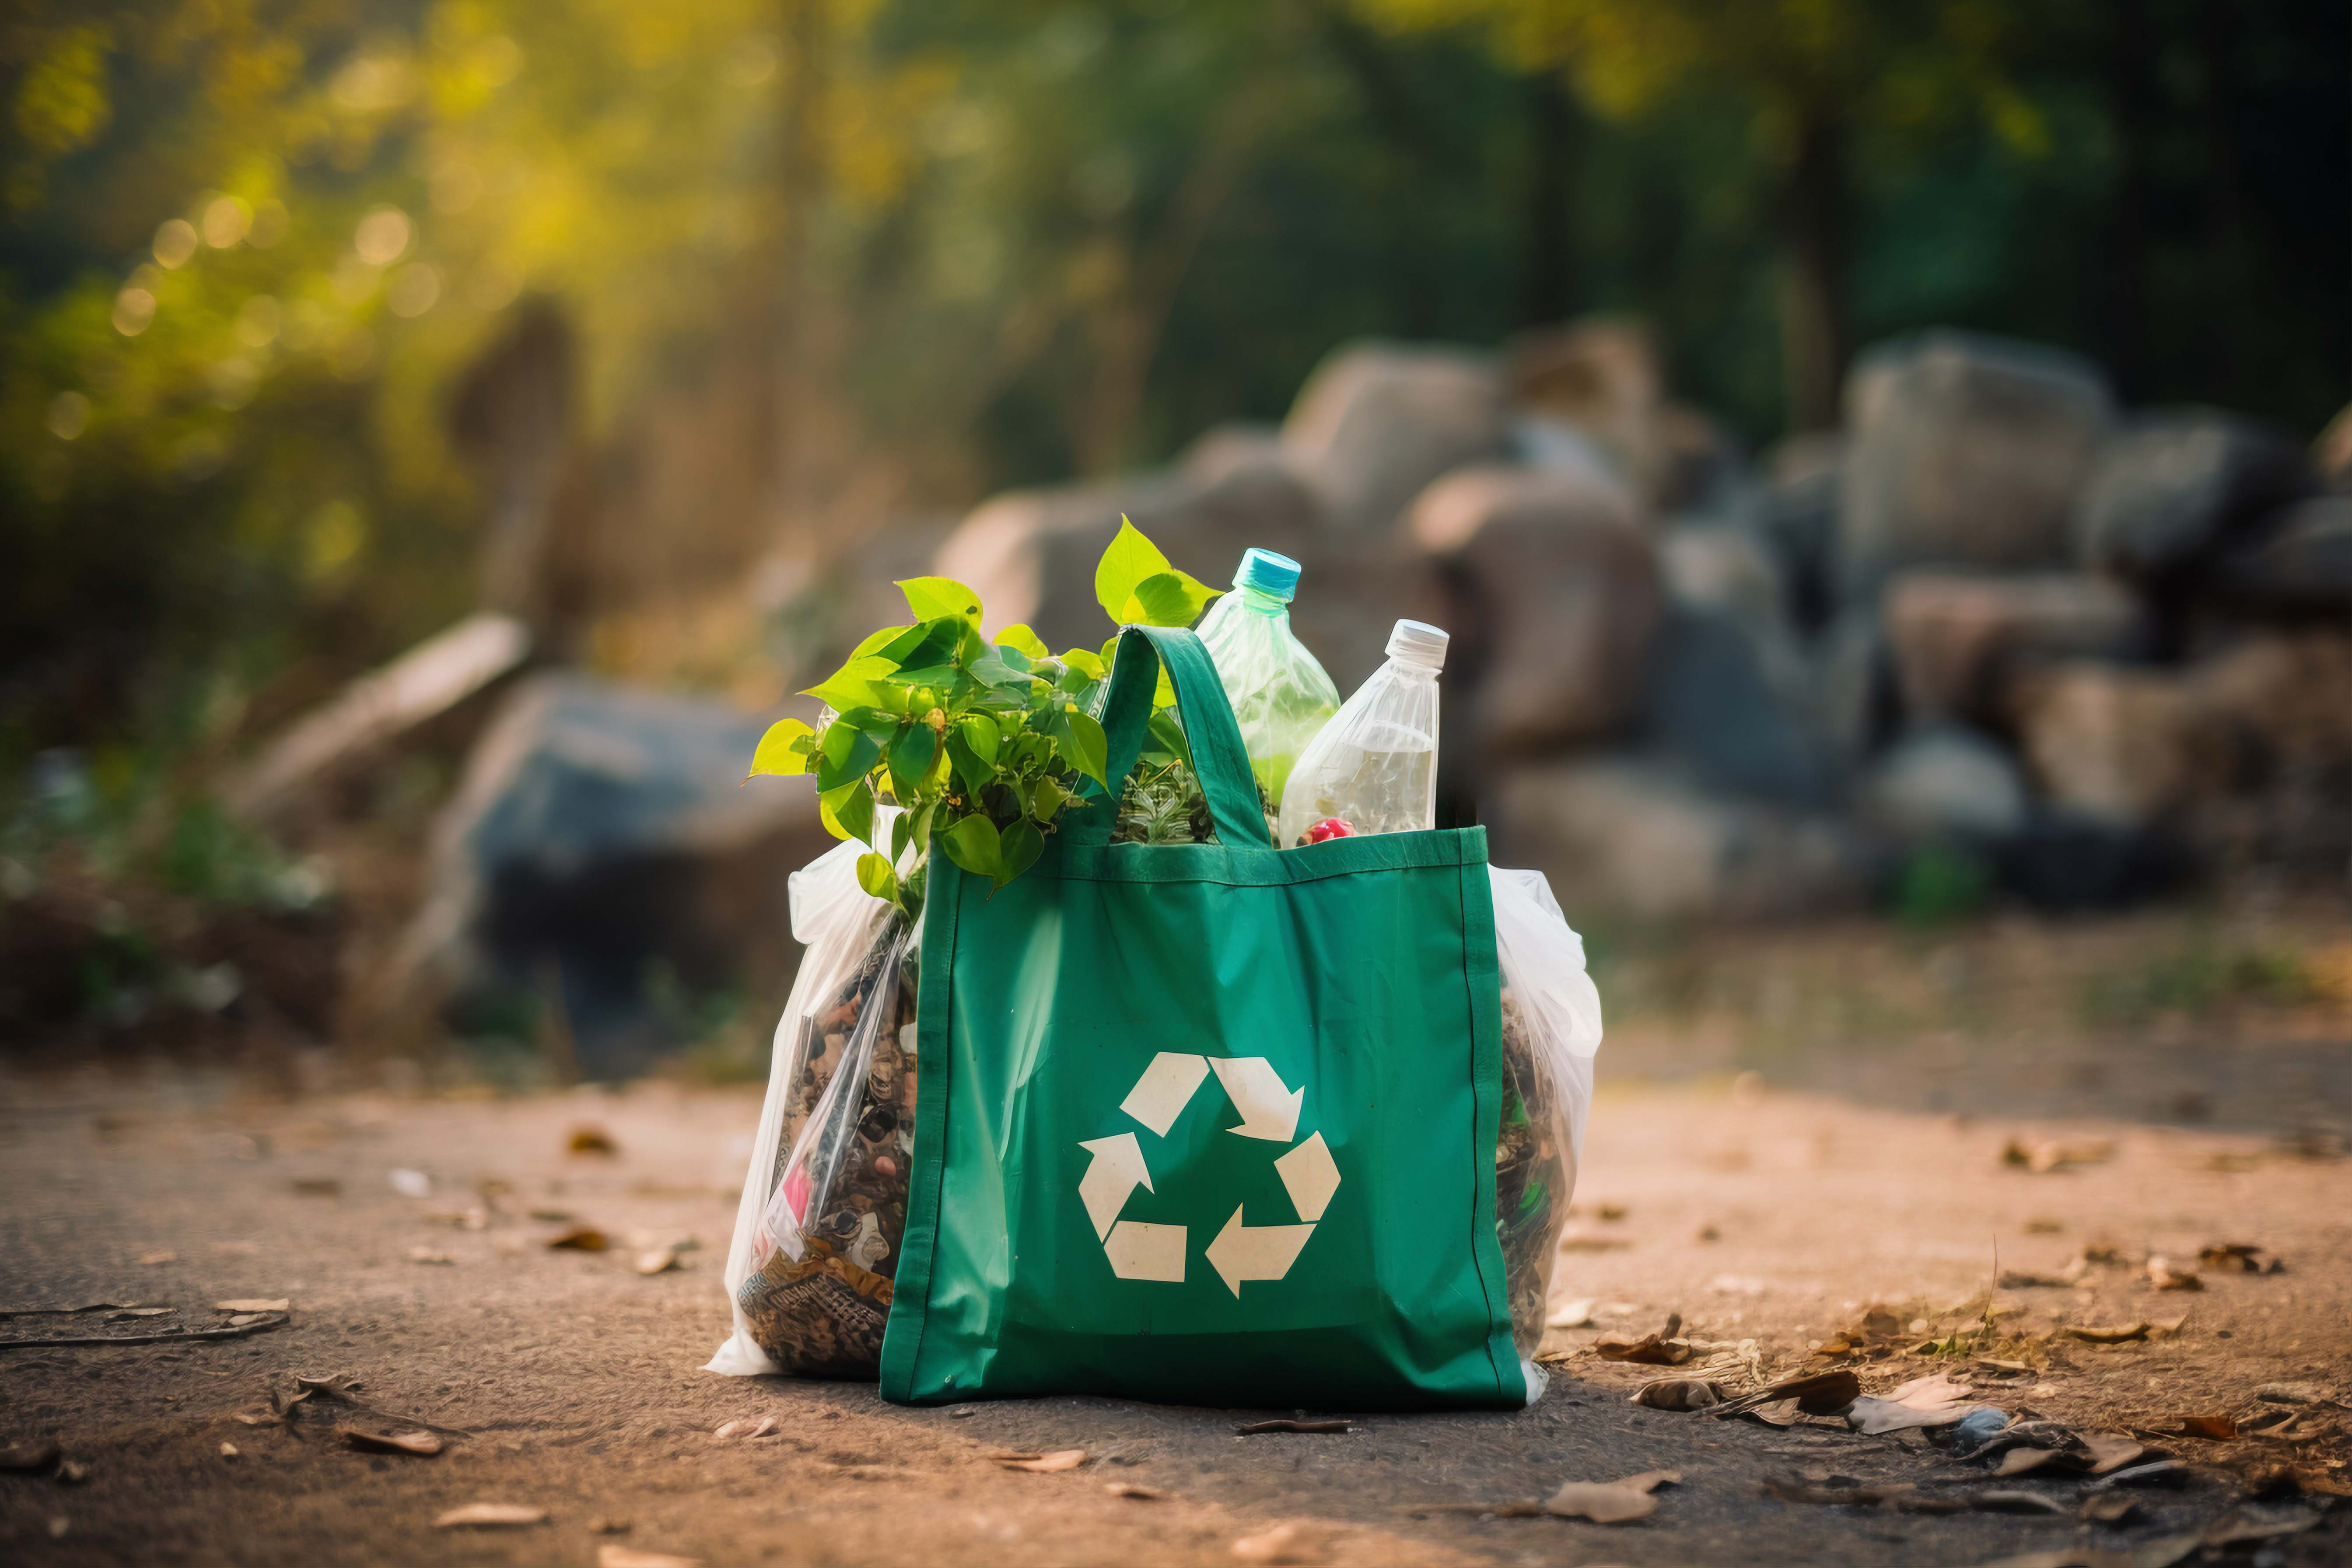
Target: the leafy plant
(982, 743)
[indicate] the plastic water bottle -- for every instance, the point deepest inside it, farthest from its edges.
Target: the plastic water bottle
(1374, 767)
(1280, 694)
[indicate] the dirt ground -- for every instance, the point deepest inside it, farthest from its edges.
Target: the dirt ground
(1769, 1206)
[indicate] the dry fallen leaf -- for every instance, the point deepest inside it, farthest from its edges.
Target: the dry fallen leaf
(428, 1255)
(1135, 1490)
(1660, 1349)
(1577, 1314)
(2231, 1257)
(72, 1472)
(2292, 1393)
(2113, 1334)
(1043, 1464)
(258, 1418)
(580, 1238)
(590, 1138)
(166, 1255)
(2165, 1277)
(1288, 1542)
(655, 1261)
(611, 1556)
(424, 1444)
(746, 1428)
(2108, 1507)
(228, 1450)
(2042, 1157)
(1611, 1502)
(2219, 1428)
(251, 1304)
(489, 1516)
(1679, 1393)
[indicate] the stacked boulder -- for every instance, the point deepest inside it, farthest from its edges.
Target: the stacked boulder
(1994, 615)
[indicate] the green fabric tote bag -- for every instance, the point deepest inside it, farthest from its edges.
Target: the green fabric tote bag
(1209, 1124)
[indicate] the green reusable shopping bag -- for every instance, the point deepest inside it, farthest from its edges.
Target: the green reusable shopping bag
(1210, 1124)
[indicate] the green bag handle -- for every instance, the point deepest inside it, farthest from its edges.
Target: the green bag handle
(1218, 759)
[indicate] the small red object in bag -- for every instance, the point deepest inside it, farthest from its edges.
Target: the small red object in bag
(1330, 827)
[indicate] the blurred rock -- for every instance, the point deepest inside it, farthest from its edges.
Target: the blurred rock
(1965, 451)
(1709, 699)
(1031, 554)
(2299, 562)
(2249, 752)
(1956, 637)
(2112, 742)
(602, 856)
(1560, 600)
(1797, 513)
(1600, 375)
(1554, 446)
(2168, 492)
(1633, 835)
(1721, 566)
(1221, 451)
(2066, 863)
(1855, 703)
(1945, 781)
(1376, 422)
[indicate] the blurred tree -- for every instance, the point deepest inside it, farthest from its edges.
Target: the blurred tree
(1812, 75)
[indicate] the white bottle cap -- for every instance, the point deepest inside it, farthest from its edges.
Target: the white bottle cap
(1418, 643)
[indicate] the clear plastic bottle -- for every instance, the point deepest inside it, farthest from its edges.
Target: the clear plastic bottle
(1374, 767)
(1279, 693)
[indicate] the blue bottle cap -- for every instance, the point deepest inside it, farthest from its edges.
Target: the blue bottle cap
(1268, 573)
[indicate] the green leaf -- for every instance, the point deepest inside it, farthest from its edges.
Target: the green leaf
(1128, 559)
(1080, 662)
(782, 751)
(1018, 851)
(1014, 658)
(875, 721)
(911, 755)
(902, 833)
(972, 843)
(853, 684)
(991, 670)
(878, 643)
(846, 754)
(848, 812)
(1046, 800)
(1084, 744)
(922, 834)
(875, 875)
(928, 675)
(970, 770)
(933, 642)
(981, 733)
(1020, 637)
(1167, 599)
(932, 597)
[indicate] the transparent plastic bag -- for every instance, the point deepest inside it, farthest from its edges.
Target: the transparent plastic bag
(1552, 1029)
(813, 1302)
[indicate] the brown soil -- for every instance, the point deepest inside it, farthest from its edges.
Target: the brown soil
(1759, 1214)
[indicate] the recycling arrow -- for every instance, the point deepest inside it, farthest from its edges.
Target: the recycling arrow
(1256, 1251)
(1118, 1169)
(1269, 1109)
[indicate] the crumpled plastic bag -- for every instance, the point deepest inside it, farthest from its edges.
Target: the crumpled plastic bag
(1552, 1029)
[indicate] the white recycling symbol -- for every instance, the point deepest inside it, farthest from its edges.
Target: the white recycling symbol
(1269, 1110)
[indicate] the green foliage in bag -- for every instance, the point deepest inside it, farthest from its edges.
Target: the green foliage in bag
(984, 744)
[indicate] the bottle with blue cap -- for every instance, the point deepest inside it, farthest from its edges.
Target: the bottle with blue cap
(1374, 768)
(1280, 694)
